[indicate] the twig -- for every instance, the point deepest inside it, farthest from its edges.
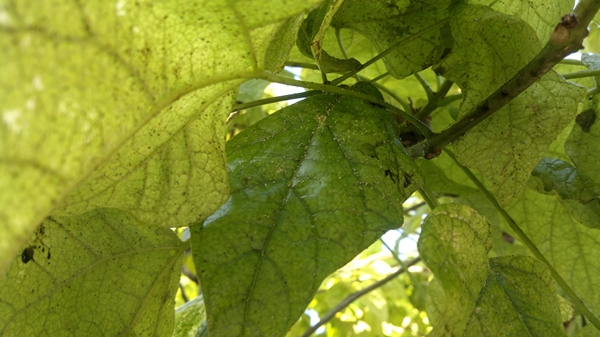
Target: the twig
(183, 294)
(575, 299)
(435, 100)
(581, 74)
(384, 75)
(566, 39)
(352, 297)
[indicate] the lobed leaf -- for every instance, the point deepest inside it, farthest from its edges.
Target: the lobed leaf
(98, 274)
(123, 105)
(312, 186)
(385, 23)
(583, 143)
(505, 296)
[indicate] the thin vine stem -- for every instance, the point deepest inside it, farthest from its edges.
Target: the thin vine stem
(389, 50)
(575, 299)
(276, 99)
(354, 296)
(428, 197)
(428, 90)
(581, 74)
(393, 95)
(423, 128)
(382, 76)
(572, 62)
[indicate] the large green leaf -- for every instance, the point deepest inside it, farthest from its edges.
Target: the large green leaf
(97, 274)
(573, 250)
(386, 22)
(122, 105)
(505, 296)
(508, 145)
(312, 186)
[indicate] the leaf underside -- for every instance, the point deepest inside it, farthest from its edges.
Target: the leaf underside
(503, 296)
(98, 274)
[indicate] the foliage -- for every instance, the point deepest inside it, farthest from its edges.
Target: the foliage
(115, 130)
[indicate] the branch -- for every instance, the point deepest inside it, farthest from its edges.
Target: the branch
(566, 39)
(352, 297)
(575, 299)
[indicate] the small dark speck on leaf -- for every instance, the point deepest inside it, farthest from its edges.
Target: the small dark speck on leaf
(586, 119)
(27, 254)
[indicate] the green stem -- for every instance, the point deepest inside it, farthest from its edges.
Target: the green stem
(393, 95)
(576, 300)
(581, 74)
(425, 86)
(572, 62)
(354, 296)
(276, 99)
(428, 197)
(434, 100)
(594, 91)
(384, 75)
(390, 49)
(423, 128)
(565, 39)
(301, 65)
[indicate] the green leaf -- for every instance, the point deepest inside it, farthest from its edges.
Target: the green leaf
(580, 195)
(190, 319)
(385, 23)
(98, 274)
(123, 107)
(312, 186)
(542, 16)
(583, 144)
(573, 250)
(505, 296)
(508, 145)
(311, 36)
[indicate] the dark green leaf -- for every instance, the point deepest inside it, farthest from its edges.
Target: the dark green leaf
(312, 186)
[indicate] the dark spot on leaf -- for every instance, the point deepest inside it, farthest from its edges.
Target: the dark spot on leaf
(586, 119)
(48, 254)
(508, 238)
(389, 174)
(27, 254)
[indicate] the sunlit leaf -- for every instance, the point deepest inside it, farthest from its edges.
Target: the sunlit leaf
(312, 186)
(505, 296)
(385, 23)
(98, 274)
(573, 250)
(122, 104)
